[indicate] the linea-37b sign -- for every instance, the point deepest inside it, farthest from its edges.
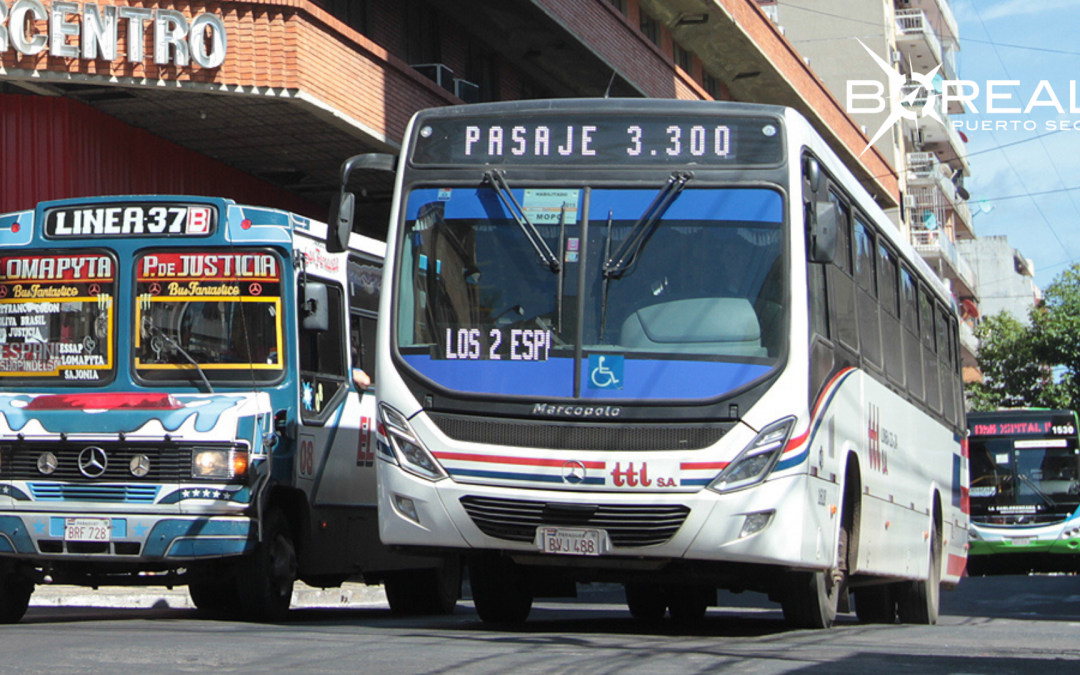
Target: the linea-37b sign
(91, 31)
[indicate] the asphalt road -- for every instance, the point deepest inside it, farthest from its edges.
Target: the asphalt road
(991, 626)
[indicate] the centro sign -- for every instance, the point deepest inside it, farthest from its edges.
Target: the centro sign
(91, 31)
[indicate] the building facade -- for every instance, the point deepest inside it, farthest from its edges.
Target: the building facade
(919, 41)
(261, 101)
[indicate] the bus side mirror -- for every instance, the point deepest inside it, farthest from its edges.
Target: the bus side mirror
(343, 205)
(822, 230)
(315, 307)
(339, 224)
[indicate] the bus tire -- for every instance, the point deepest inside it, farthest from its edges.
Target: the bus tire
(875, 604)
(500, 591)
(15, 595)
(646, 602)
(688, 604)
(426, 591)
(214, 597)
(265, 578)
(918, 602)
(810, 599)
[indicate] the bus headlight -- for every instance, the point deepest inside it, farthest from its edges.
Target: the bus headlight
(756, 461)
(408, 448)
(218, 463)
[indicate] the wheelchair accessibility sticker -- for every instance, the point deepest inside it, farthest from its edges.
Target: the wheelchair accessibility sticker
(605, 371)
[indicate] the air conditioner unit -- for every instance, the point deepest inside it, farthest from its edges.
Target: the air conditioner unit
(466, 91)
(438, 73)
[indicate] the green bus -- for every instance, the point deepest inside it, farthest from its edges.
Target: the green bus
(1025, 492)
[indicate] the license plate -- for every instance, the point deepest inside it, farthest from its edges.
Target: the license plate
(1021, 541)
(571, 541)
(87, 529)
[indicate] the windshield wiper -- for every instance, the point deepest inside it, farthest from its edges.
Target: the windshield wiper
(617, 264)
(148, 322)
(1038, 491)
(502, 189)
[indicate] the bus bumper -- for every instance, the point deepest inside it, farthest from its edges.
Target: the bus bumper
(131, 538)
(764, 524)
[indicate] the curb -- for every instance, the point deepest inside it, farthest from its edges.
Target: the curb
(349, 595)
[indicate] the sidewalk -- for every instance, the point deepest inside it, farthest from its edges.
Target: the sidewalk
(349, 595)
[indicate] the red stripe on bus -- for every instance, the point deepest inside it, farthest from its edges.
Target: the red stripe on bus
(957, 563)
(701, 466)
(521, 461)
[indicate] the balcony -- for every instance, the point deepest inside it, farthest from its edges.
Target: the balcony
(917, 39)
(969, 344)
(924, 170)
(929, 130)
(935, 246)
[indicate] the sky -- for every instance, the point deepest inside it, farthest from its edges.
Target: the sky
(1024, 183)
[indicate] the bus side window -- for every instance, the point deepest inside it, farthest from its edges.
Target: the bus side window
(929, 340)
(841, 281)
(891, 333)
(322, 361)
(866, 301)
(909, 316)
(362, 342)
(947, 370)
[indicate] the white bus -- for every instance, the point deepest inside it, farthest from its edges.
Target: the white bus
(669, 344)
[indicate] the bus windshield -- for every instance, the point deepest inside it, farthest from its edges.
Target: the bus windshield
(1026, 477)
(692, 308)
(208, 314)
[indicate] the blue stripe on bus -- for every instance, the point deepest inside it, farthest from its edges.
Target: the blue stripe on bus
(759, 205)
(532, 477)
(643, 379)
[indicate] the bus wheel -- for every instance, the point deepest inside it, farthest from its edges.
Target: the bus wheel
(810, 599)
(15, 595)
(688, 604)
(918, 601)
(875, 604)
(426, 591)
(214, 597)
(500, 591)
(646, 602)
(265, 578)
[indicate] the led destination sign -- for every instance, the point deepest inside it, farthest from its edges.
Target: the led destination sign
(599, 139)
(131, 220)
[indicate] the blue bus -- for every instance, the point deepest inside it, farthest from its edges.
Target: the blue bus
(178, 405)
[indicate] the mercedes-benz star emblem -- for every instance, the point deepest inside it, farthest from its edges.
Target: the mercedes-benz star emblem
(573, 472)
(92, 462)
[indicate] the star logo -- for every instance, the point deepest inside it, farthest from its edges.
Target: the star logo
(905, 104)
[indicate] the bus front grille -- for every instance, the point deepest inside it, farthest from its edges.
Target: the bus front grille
(628, 525)
(566, 435)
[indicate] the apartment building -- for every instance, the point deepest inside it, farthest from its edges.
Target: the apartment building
(918, 39)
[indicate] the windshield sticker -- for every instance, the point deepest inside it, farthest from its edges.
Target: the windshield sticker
(605, 371)
(56, 314)
(552, 207)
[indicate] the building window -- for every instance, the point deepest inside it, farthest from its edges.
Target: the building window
(651, 28)
(354, 13)
(422, 39)
(711, 84)
(483, 70)
(683, 59)
(619, 5)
